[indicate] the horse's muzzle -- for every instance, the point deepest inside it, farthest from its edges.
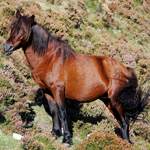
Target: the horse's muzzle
(8, 49)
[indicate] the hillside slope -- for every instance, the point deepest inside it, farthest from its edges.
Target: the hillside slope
(119, 29)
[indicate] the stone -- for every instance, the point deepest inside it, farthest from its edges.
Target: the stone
(17, 136)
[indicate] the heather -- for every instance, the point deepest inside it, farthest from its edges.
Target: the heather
(119, 29)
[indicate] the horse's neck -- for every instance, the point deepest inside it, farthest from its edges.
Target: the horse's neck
(32, 58)
(36, 60)
(37, 46)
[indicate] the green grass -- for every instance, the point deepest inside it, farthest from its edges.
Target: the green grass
(138, 2)
(42, 119)
(8, 143)
(91, 5)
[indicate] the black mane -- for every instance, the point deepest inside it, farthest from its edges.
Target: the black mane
(40, 38)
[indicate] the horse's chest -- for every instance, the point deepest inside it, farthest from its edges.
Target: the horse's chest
(38, 79)
(47, 79)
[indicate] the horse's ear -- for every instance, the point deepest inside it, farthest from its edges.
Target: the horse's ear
(31, 19)
(18, 15)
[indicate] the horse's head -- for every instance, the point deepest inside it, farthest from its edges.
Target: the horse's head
(20, 33)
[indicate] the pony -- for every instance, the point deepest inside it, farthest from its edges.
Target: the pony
(63, 74)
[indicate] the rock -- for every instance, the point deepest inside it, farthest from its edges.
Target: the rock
(66, 145)
(17, 136)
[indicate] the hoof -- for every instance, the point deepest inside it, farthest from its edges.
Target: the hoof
(67, 141)
(130, 142)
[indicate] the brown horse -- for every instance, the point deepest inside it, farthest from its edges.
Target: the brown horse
(63, 73)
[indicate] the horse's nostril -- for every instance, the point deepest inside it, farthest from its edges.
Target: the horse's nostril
(7, 46)
(4, 46)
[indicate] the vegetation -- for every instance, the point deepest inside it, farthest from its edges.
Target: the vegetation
(119, 29)
(104, 141)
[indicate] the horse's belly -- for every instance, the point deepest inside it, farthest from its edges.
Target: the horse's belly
(85, 80)
(85, 92)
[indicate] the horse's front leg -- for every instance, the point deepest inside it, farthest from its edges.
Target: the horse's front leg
(56, 129)
(61, 106)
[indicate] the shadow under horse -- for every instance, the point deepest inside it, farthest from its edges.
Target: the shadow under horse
(63, 74)
(73, 109)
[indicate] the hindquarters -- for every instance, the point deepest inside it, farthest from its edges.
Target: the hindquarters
(129, 96)
(125, 100)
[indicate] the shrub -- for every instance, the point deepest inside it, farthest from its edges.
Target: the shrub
(142, 131)
(47, 140)
(108, 141)
(8, 11)
(2, 110)
(28, 143)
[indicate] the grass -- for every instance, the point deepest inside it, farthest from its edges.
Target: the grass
(42, 119)
(7, 142)
(138, 2)
(142, 144)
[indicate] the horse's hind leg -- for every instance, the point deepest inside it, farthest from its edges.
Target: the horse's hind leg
(116, 110)
(56, 129)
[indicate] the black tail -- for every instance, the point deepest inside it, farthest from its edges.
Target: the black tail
(130, 97)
